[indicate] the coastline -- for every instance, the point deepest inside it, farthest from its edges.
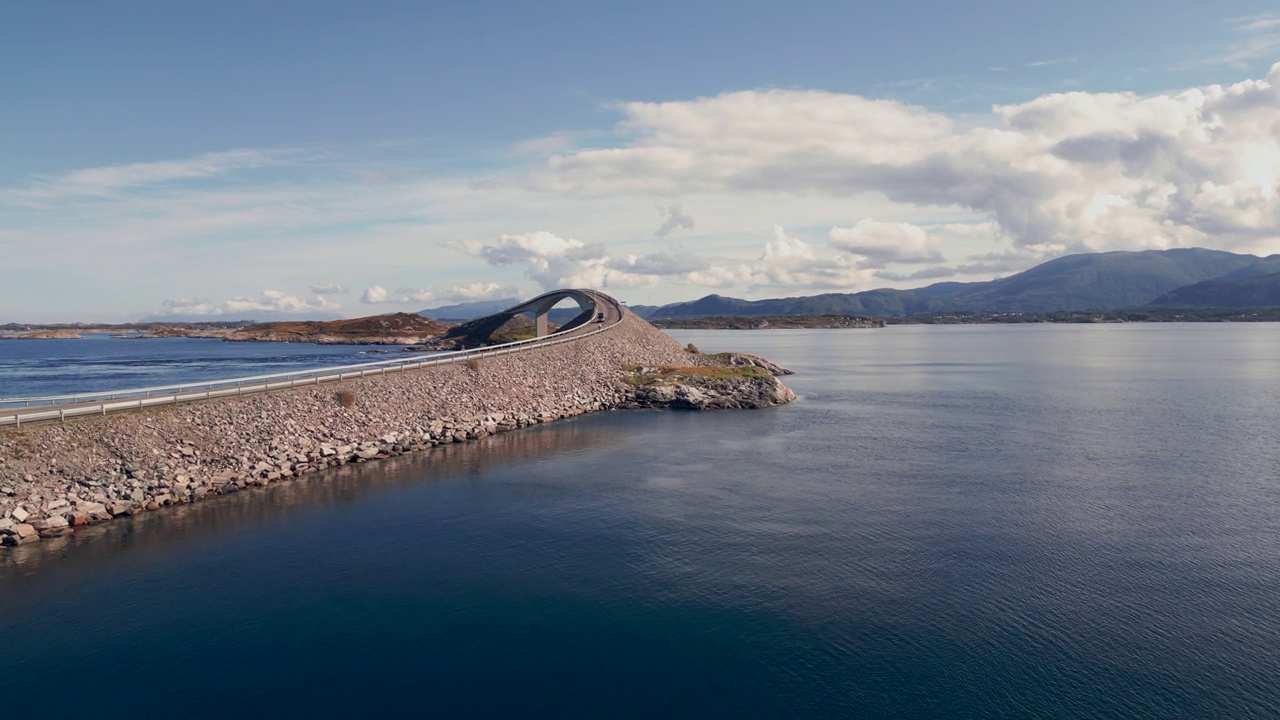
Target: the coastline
(427, 342)
(56, 477)
(972, 317)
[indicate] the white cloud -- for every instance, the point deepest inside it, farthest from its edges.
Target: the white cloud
(882, 242)
(1047, 63)
(469, 292)
(1257, 23)
(973, 229)
(1076, 171)
(658, 263)
(555, 262)
(270, 301)
(407, 295)
(329, 289)
(552, 261)
(747, 141)
(546, 145)
(860, 257)
(1255, 37)
(107, 180)
(374, 295)
(477, 291)
(788, 263)
(1060, 173)
(673, 218)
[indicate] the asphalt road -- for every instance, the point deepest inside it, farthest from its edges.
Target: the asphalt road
(102, 406)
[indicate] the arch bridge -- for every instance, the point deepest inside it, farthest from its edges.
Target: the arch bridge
(22, 410)
(589, 302)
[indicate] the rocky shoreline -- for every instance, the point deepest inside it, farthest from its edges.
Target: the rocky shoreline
(42, 335)
(741, 386)
(57, 477)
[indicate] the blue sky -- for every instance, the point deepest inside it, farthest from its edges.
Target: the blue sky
(236, 159)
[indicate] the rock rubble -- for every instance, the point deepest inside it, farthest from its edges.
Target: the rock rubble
(57, 477)
(696, 393)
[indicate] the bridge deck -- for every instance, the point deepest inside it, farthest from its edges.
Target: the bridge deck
(61, 408)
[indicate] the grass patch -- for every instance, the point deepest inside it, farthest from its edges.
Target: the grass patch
(645, 377)
(21, 447)
(506, 336)
(723, 358)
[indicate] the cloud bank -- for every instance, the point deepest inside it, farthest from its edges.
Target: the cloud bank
(470, 292)
(556, 262)
(106, 181)
(267, 301)
(328, 289)
(794, 191)
(1066, 172)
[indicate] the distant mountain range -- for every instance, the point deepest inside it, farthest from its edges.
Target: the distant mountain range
(1247, 292)
(469, 310)
(1183, 277)
(463, 312)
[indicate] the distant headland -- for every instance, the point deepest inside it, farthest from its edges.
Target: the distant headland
(1188, 284)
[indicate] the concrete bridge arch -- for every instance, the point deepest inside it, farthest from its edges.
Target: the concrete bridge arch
(540, 306)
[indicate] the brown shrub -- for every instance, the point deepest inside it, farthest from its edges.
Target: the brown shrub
(472, 364)
(345, 398)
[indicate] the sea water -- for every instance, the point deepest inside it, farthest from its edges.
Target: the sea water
(950, 522)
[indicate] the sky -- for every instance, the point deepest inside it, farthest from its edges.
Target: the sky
(228, 160)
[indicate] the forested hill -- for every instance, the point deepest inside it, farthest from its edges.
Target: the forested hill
(1096, 281)
(1238, 292)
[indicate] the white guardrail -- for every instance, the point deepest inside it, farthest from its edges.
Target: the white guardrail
(136, 399)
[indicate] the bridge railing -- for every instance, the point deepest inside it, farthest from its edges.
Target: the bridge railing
(24, 410)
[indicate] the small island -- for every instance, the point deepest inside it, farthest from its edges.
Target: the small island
(44, 334)
(769, 322)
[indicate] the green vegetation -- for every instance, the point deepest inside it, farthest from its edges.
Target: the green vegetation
(519, 327)
(647, 377)
(1102, 281)
(1228, 292)
(1150, 313)
(20, 444)
(729, 322)
(506, 336)
(1144, 314)
(393, 325)
(483, 332)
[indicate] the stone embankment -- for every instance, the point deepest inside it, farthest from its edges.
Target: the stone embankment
(55, 477)
(43, 335)
(733, 359)
(733, 381)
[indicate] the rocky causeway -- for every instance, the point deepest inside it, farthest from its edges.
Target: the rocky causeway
(55, 477)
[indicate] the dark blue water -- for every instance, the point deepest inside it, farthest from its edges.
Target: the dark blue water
(31, 368)
(967, 522)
